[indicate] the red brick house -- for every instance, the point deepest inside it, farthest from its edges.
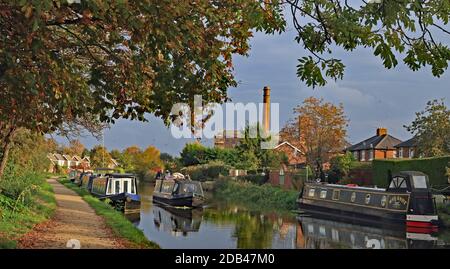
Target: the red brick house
(407, 149)
(380, 146)
(296, 156)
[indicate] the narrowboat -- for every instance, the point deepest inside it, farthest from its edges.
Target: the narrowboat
(178, 192)
(83, 177)
(407, 201)
(86, 180)
(74, 174)
(120, 189)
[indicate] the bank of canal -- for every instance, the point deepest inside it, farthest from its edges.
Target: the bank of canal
(226, 225)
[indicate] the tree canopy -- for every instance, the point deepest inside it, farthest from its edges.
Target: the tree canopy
(431, 130)
(413, 30)
(319, 127)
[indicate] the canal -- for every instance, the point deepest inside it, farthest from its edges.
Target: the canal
(220, 225)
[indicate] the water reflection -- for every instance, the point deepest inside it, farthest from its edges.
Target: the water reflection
(176, 221)
(320, 233)
(230, 226)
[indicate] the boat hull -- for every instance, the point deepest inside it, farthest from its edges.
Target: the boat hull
(124, 202)
(183, 201)
(345, 212)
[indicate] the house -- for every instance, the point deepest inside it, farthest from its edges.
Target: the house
(380, 146)
(60, 160)
(53, 163)
(407, 149)
(86, 162)
(113, 164)
(67, 160)
(228, 139)
(296, 156)
(76, 161)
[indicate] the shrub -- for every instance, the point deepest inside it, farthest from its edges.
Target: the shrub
(257, 179)
(19, 183)
(205, 172)
(254, 196)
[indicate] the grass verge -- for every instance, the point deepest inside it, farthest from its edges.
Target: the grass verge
(120, 225)
(17, 217)
(264, 197)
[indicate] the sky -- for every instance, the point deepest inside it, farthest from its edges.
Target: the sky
(372, 96)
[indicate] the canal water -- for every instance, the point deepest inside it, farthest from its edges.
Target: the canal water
(220, 225)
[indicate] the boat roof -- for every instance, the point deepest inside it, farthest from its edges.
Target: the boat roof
(349, 187)
(118, 175)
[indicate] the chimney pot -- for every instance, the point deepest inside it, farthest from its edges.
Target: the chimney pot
(381, 131)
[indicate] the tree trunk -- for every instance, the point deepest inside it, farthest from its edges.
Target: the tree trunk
(6, 148)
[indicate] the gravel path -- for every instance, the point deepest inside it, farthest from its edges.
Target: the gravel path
(74, 221)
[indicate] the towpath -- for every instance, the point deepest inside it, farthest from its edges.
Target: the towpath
(74, 225)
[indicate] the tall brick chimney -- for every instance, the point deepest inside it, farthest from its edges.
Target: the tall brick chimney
(266, 112)
(381, 131)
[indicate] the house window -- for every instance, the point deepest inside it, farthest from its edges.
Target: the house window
(370, 154)
(355, 154)
(400, 152)
(411, 153)
(363, 155)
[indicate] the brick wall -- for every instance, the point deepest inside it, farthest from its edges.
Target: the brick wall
(274, 179)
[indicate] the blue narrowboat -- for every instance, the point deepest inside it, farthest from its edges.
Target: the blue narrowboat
(120, 189)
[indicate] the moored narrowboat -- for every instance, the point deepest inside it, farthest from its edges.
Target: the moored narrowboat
(74, 174)
(83, 177)
(120, 189)
(408, 200)
(178, 192)
(87, 178)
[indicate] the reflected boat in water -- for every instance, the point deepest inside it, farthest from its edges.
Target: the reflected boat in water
(177, 221)
(325, 233)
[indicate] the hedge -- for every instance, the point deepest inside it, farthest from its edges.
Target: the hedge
(433, 167)
(205, 172)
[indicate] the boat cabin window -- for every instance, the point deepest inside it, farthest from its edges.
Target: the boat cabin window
(125, 186)
(323, 194)
(167, 187)
(158, 185)
(336, 194)
(191, 188)
(311, 192)
(117, 186)
(383, 201)
(367, 200)
(420, 182)
(398, 183)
